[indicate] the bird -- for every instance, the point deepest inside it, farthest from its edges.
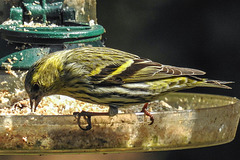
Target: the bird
(107, 76)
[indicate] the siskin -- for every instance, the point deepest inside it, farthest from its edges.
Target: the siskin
(108, 76)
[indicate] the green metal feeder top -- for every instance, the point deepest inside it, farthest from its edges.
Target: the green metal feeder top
(50, 34)
(44, 26)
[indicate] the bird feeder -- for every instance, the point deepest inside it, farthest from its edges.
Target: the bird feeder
(31, 29)
(38, 27)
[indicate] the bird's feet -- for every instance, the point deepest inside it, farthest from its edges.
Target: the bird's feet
(87, 116)
(144, 109)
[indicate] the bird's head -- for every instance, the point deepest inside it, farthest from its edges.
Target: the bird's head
(42, 80)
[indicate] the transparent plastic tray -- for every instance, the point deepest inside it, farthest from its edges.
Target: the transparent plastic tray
(206, 120)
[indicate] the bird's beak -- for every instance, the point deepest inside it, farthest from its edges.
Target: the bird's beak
(34, 103)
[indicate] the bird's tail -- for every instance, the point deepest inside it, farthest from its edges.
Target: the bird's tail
(202, 82)
(214, 83)
(181, 83)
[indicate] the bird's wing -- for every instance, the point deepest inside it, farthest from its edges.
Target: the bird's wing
(137, 70)
(110, 66)
(142, 70)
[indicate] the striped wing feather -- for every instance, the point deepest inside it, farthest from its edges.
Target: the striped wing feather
(143, 70)
(137, 70)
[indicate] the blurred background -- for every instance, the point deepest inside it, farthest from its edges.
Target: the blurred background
(198, 34)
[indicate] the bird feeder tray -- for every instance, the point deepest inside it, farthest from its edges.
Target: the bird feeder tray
(204, 120)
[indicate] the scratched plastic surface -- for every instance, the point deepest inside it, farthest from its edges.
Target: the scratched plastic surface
(206, 120)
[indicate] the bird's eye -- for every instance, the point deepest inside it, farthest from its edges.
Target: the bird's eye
(35, 87)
